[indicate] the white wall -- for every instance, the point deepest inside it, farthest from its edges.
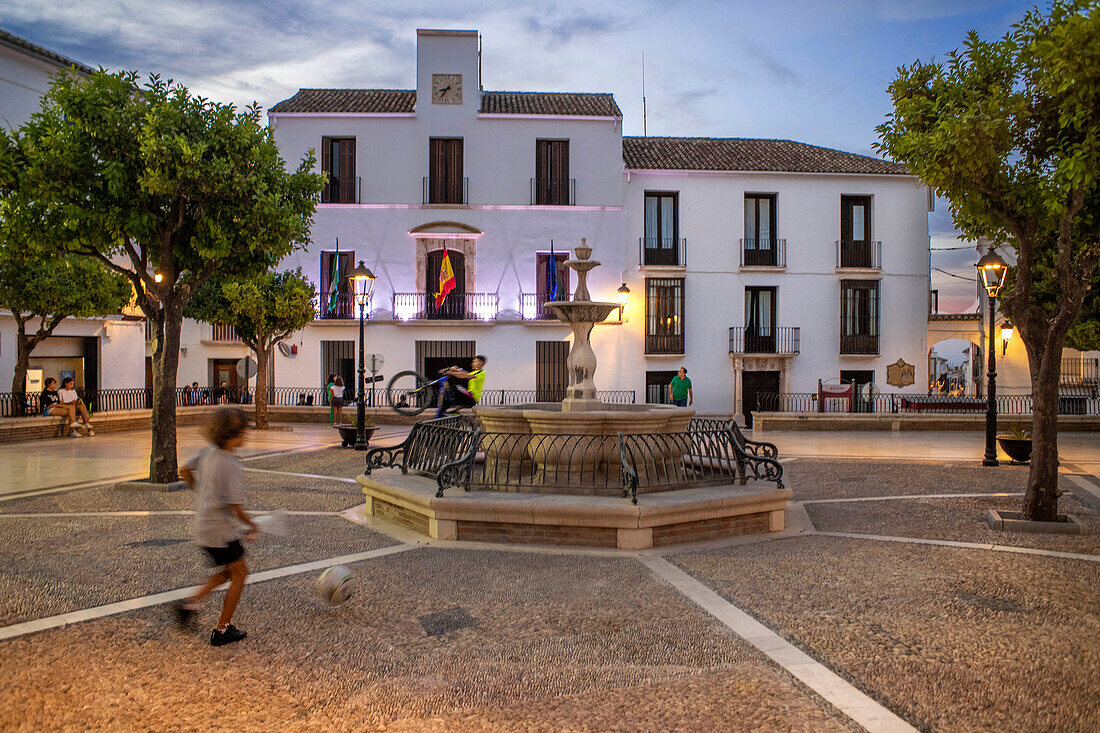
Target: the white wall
(23, 80)
(121, 348)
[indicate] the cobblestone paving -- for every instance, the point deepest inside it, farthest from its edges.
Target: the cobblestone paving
(817, 478)
(51, 566)
(556, 643)
(950, 639)
(342, 462)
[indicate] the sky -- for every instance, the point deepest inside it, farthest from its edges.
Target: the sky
(815, 71)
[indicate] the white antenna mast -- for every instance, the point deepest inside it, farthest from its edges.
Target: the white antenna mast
(645, 132)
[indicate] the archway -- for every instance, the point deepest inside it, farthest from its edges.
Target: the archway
(955, 368)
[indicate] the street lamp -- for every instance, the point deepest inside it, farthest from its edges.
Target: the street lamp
(1006, 336)
(624, 298)
(992, 270)
(362, 285)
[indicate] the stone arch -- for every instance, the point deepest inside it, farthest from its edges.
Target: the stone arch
(456, 236)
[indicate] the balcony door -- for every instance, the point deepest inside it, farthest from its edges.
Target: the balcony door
(445, 182)
(855, 231)
(552, 172)
(454, 306)
(661, 229)
(542, 281)
(335, 300)
(760, 245)
(760, 320)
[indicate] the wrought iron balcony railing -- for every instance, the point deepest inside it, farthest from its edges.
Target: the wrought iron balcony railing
(664, 343)
(662, 252)
(553, 191)
(859, 254)
(858, 344)
(446, 191)
(763, 253)
(455, 307)
(338, 306)
(348, 191)
(780, 340)
(531, 307)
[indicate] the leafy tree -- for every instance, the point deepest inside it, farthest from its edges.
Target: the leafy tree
(48, 290)
(1008, 131)
(148, 179)
(264, 309)
(1085, 334)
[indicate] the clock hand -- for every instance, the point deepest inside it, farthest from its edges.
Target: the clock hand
(444, 90)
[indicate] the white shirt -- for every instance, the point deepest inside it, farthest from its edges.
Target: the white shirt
(68, 395)
(337, 392)
(218, 485)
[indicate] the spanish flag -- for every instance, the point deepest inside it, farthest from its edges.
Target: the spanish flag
(446, 279)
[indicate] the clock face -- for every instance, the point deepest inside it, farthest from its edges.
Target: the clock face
(446, 88)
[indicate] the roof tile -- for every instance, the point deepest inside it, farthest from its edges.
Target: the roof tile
(745, 154)
(396, 101)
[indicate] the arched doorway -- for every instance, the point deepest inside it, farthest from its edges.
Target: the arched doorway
(454, 305)
(955, 368)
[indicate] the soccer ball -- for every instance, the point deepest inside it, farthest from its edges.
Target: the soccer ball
(336, 585)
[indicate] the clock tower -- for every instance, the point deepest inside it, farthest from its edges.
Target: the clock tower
(446, 72)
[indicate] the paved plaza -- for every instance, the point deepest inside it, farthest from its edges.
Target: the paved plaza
(886, 604)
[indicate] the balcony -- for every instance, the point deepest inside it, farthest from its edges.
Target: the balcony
(858, 255)
(445, 191)
(662, 252)
(783, 340)
(763, 253)
(553, 192)
(858, 344)
(343, 191)
(1080, 372)
(338, 306)
(664, 343)
(531, 307)
(223, 334)
(456, 307)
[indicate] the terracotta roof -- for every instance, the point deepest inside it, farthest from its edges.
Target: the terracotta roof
(45, 54)
(395, 101)
(744, 154)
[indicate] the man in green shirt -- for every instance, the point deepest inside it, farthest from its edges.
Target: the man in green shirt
(679, 389)
(455, 395)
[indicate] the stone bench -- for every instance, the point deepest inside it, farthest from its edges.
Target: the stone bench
(443, 448)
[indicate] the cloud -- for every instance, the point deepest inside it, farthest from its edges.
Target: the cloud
(564, 28)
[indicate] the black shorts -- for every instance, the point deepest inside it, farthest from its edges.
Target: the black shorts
(222, 556)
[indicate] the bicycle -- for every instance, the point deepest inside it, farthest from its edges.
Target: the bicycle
(410, 392)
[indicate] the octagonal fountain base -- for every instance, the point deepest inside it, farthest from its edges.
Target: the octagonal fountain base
(658, 519)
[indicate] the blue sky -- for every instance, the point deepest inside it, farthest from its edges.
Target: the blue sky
(810, 71)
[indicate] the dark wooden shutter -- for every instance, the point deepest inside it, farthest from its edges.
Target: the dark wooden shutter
(348, 192)
(559, 172)
(454, 172)
(445, 171)
(326, 169)
(542, 171)
(551, 377)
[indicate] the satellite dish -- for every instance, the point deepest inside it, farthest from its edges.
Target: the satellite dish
(870, 391)
(284, 348)
(246, 368)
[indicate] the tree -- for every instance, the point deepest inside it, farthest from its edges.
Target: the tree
(1008, 131)
(264, 309)
(150, 180)
(49, 290)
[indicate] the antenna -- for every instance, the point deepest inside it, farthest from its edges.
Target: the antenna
(645, 132)
(479, 86)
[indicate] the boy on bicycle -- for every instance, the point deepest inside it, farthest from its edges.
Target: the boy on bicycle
(455, 394)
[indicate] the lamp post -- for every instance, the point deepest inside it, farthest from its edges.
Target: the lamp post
(992, 270)
(362, 283)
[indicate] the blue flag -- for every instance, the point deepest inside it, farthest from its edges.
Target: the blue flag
(552, 268)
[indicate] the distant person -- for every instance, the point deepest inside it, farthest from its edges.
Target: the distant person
(214, 474)
(402, 401)
(70, 398)
(51, 405)
(221, 395)
(679, 389)
(336, 393)
(246, 396)
(196, 394)
(327, 397)
(455, 395)
(302, 400)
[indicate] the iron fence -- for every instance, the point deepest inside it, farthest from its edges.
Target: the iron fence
(763, 253)
(662, 251)
(455, 307)
(859, 254)
(553, 191)
(902, 404)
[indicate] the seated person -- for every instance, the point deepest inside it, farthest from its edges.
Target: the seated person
(196, 394)
(301, 400)
(402, 401)
(246, 396)
(454, 395)
(71, 399)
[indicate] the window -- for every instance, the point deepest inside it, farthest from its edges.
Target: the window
(661, 229)
(760, 222)
(856, 249)
(759, 320)
(859, 316)
(859, 379)
(551, 377)
(542, 282)
(552, 184)
(656, 387)
(335, 301)
(664, 323)
(445, 184)
(338, 166)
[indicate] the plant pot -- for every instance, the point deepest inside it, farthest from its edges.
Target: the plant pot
(1018, 449)
(348, 431)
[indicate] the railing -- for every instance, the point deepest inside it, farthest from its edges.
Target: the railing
(337, 195)
(149, 330)
(664, 343)
(553, 191)
(859, 254)
(1080, 371)
(531, 307)
(339, 306)
(662, 252)
(444, 192)
(1013, 404)
(763, 253)
(312, 396)
(455, 307)
(220, 332)
(781, 340)
(858, 344)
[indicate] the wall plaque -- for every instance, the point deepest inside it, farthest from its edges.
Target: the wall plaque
(900, 374)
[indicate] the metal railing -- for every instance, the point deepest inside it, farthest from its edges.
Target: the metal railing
(763, 253)
(1012, 404)
(444, 192)
(340, 194)
(664, 343)
(859, 254)
(662, 252)
(531, 307)
(455, 307)
(340, 306)
(219, 332)
(1080, 370)
(553, 191)
(780, 340)
(859, 344)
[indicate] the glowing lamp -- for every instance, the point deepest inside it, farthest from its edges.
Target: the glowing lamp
(362, 283)
(1006, 336)
(992, 270)
(624, 298)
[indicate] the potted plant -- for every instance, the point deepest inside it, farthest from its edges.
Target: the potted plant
(1017, 445)
(349, 430)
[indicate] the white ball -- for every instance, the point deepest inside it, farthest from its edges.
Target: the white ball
(336, 584)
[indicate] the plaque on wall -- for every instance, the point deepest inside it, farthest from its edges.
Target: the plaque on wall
(900, 374)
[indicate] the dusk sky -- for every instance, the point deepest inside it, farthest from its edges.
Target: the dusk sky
(811, 71)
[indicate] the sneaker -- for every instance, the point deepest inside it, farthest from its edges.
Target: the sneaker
(230, 635)
(75, 426)
(91, 430)
(75, 433)
(184, 615)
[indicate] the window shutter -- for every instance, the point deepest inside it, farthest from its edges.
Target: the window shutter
(326, 168)
(348, 193)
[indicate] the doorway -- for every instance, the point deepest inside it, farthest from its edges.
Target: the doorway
(454, 305)
(754, 384)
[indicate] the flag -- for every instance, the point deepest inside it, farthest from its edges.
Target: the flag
(334, 281)
(552, 274)
(446, 279)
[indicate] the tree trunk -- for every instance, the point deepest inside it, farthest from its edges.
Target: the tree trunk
(1041, 499)
(163, 467)
(22, 363)
(262, 355)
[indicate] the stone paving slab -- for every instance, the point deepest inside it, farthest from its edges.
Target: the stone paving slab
(949, 639)
(342, 462)
(820, 478)
(54, 565)
(954, 519)
(558, 643)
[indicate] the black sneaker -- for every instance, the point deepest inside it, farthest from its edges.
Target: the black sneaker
(230, 635)
(184, 615)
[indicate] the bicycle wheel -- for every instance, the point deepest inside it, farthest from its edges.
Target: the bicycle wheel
(409, 393)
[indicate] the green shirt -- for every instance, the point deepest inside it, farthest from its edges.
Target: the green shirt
(476, 383)
(680, 387)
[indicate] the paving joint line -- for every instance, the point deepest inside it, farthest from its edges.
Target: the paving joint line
(907, 496)
(302, 475)
(161, 513)
(964, 545)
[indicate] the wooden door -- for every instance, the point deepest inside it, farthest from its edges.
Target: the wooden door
(445, 183)
(754, 384)
(454, 306)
